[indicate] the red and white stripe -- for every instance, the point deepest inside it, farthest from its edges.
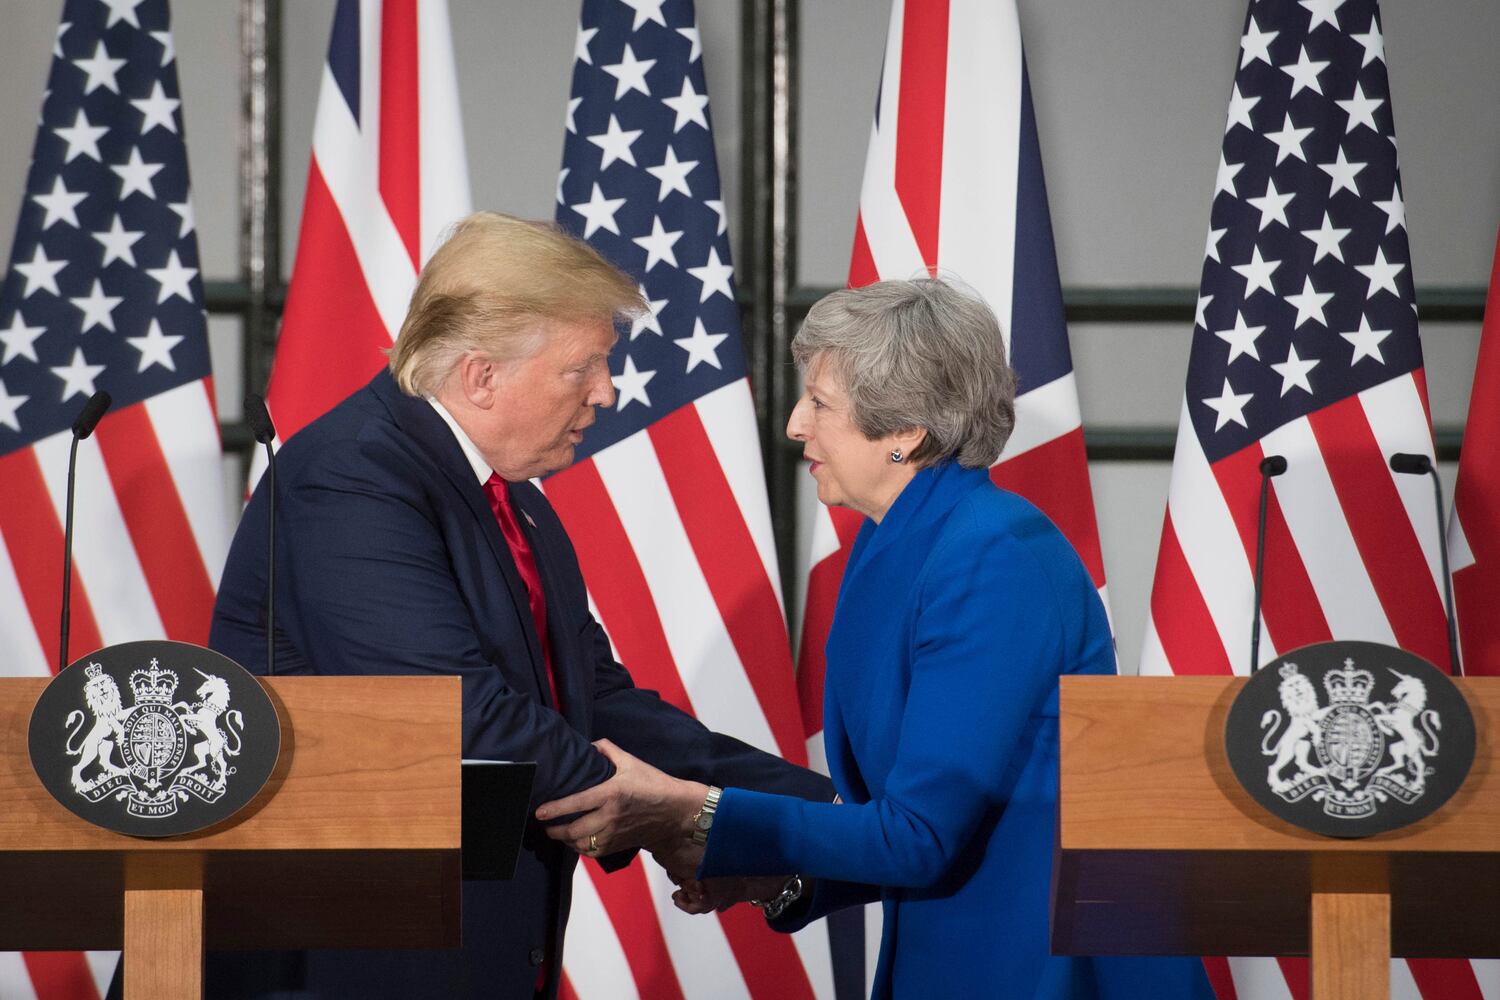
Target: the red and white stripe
(673, 534)
(1474, 531)
(382, 187)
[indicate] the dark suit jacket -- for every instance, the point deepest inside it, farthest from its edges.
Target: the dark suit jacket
(390, 561)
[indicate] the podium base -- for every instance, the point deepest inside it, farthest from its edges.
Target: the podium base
(163, 944)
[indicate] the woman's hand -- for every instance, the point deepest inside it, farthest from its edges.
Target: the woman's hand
(719, 894)
(637, 807)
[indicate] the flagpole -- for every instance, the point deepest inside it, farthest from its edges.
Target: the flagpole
(260, 181)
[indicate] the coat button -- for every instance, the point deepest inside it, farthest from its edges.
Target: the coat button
(536, 957)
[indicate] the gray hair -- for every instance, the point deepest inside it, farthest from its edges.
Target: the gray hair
(917, 354)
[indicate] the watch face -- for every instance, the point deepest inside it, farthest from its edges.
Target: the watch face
(703, 820)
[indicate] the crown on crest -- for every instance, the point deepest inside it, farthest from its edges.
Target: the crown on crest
(93, 670)
(1349, 686)
(154, 686)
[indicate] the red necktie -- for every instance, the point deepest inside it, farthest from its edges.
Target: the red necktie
(520, 551)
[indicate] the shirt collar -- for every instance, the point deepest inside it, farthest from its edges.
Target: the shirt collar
(482, 470)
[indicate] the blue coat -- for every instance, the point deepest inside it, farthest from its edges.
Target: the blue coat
(956, 616)
(390, 561)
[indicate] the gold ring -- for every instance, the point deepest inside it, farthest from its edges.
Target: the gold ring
(593, 843)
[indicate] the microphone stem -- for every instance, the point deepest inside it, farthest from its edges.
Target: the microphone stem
(1260, 561)
(271, 564)
(1455, 665)
(67, 591)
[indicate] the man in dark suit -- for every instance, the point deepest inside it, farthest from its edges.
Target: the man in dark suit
(412, 543)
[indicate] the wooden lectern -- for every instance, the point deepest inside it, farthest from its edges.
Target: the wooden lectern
(1161, 852)
(354, 842)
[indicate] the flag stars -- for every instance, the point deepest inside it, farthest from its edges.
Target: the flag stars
(168, 50)
(184, 210)
(174, 279)
(1294, 371)
(82, 138)
(1241, 339)
(672, 175)
(1382, 274)
(1304, 73)
(702, 347)
(122, 10)
(1373, 43)
(630, 73)
(650, 318)
(1394, 209)
(1360, 109)
(1342, 173)
(572, 124)
(158, 110)
(1225, 180)
(1239, 109)
(97, 308)
(695, 42)
(155, 347)
(1257, 273)
(9, 404)
(60, 204)
(1289, 140)
(77, 376)
(1199, 317)
(715, 275)
(1366, 342)
(1211, 248)
(1256, 44)
(1322, 12)
(630, 384)
(62, 29)
(598, 212)
(100, 69)
(689, 106)
(1309, 304)
(717, 207)
(581, 44)
(19, 339)
(658, 245)
(1272, 205)
(1326, 240)
(561, 177)
(117, 243)
(646, 10)
(135, 175)
(1229, 407)
(40, 272)
(616, 143)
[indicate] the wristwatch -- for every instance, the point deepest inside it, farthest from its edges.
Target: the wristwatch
(703, 819)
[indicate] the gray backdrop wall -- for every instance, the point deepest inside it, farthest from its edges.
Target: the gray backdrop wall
(1130, 101)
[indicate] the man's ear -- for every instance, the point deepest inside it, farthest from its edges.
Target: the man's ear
(477, 378)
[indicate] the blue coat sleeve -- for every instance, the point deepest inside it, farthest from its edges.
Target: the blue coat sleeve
(985, 651)
(370, 590)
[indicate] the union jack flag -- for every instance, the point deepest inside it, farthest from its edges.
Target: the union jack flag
(1305, 346)
(666, 501)
(953, 186)
(387, 177)
(103, 292)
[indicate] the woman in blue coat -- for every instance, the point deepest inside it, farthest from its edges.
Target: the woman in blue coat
(960, 608)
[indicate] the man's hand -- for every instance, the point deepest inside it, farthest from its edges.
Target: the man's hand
(638, 806)
(680, 857)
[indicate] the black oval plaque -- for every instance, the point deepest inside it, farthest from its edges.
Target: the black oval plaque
(1349, 739)
(154, 738)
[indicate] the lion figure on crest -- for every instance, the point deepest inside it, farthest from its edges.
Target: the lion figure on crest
(1301, 735)
(102, 695)
(202, 719)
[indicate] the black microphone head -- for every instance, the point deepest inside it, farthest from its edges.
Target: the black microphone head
(1411, 464)
(259, 418)
(1272, 465)
(88, 418)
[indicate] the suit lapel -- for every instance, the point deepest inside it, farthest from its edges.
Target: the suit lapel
(420, 422)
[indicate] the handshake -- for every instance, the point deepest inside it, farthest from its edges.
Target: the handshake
(642, 807)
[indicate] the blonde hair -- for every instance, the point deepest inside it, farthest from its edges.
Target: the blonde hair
(488, 286)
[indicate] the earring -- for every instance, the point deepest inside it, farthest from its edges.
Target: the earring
(896, 455)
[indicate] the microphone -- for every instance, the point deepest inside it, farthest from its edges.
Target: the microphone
(83, 425)
(265, 432)
(1409, 464)
(1270, 466)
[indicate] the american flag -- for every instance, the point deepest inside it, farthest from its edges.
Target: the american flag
(1474, 531)
(103, 292)
(666, 501)
(1305, 346)
(387, 177)
(953, 186)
